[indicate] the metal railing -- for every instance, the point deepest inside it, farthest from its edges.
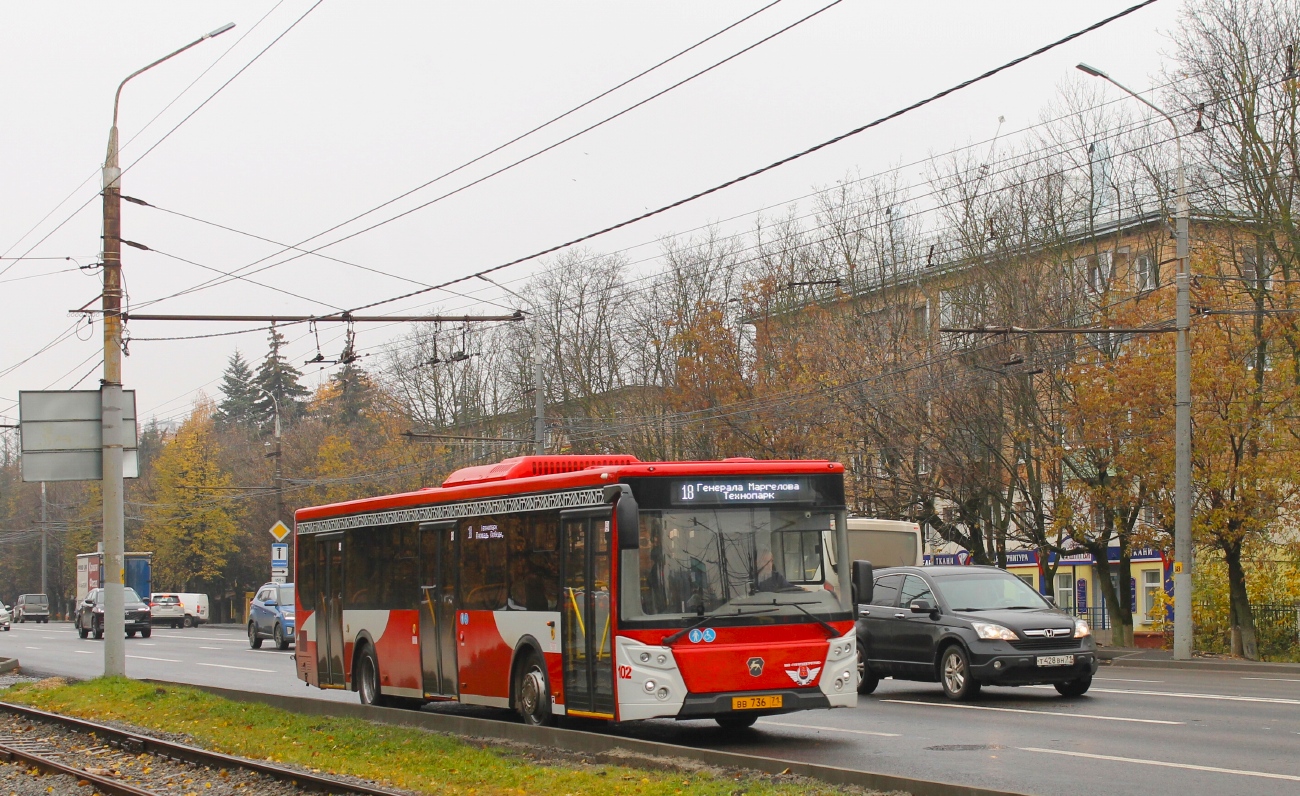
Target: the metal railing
(1277, 628)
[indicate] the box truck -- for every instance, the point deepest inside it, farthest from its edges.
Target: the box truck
(138, 573)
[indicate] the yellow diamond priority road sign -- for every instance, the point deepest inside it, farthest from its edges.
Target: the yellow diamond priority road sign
(279, 531)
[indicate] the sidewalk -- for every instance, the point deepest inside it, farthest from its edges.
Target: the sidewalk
(1164, 659)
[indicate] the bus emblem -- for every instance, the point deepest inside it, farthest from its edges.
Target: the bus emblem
(803, 673)
(755, 666)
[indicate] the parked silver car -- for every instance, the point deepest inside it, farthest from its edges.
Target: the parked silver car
(32, 608)
(6, 617)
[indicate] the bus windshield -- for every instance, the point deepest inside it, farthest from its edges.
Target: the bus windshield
(699, 560)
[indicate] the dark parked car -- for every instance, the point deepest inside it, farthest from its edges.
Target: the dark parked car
(32, 608)
(270, 615)
(90, 614)
(966, 627)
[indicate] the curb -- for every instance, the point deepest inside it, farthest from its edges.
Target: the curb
(8, 665)
(595, 743)
(1204, 665)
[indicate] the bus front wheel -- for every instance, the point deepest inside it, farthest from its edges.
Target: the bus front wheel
(533, 692)
(368, 679)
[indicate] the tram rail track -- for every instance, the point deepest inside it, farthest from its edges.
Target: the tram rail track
(47, 757)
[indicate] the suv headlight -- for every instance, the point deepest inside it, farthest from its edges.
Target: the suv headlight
(990, 631)
(1081, 628)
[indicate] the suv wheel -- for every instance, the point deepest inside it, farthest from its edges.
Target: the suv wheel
(867, 681)
(1074, 688)
(99, 628)
(955, 676)
(281, 643)
(254, 640)
(81, 631)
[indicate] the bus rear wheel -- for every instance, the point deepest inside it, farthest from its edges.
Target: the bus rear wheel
(533, 692)
(368, 679)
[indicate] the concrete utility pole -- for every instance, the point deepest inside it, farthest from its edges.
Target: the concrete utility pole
(45, 532)
(279, 477)
(111, 391)
(539, 395)
(1183, 555)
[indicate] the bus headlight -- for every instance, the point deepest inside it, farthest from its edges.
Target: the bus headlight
(649, 686)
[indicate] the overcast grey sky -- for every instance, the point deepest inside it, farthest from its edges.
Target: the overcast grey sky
(363, 101)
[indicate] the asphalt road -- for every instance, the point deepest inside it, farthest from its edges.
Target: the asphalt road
(1155, 732)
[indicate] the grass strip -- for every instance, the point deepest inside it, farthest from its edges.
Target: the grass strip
(399, 757)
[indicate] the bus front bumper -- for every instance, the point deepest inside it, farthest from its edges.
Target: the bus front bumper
(707, 706)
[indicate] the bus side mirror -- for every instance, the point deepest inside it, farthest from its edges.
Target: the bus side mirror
(627, 515)
(863, 583)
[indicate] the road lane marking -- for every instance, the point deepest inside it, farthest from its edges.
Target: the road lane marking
(212, 648)
(145, 644)
(1184, 695)
(33, 648)
(240, 668)
(1273, 679)
(771, 723)
(84, 652)
(1126, 680)
(1189, 766)
(1034, 712)
(147, 658)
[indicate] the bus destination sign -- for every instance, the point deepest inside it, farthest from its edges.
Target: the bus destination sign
(742, 491)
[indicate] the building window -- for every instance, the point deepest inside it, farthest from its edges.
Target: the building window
(1153, 589)
(1065, 591)
(1146, 274)
(1100, 271)
(921, 321)
(1029, 580)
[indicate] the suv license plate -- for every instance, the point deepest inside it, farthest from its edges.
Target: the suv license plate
(1055, 660)
(764, 702)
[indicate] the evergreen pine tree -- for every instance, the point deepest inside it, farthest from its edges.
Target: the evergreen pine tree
(241, 394)
(279, 378)
(351, 395)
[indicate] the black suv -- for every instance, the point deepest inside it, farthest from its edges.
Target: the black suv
(90, 614)
(966, 627)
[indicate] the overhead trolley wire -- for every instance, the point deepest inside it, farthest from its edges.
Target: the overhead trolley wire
(182, 93)
(520, 161)
(782, 162)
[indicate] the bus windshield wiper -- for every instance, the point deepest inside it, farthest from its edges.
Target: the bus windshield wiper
(669, 639)
(827, 626)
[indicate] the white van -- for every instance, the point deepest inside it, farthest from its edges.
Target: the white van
(196, 609)
(885, 543)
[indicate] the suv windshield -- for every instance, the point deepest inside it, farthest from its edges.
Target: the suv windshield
(987, 591)
(697, 560)
(286, 595)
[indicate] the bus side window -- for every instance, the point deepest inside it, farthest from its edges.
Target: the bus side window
(483, 564)
(534, 565)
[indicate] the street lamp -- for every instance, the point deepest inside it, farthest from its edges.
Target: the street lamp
(111, 389)
(539, 398)
(1183, 558)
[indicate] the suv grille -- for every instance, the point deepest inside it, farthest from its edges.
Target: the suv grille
(1047, 644)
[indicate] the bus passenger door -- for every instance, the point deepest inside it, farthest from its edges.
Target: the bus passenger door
(329, 610)
(438, 608)
(587, 614)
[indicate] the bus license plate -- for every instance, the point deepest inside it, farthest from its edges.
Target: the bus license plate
(765, 702)
(1055, 660)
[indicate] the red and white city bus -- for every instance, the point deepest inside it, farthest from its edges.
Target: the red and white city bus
(592, 586)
